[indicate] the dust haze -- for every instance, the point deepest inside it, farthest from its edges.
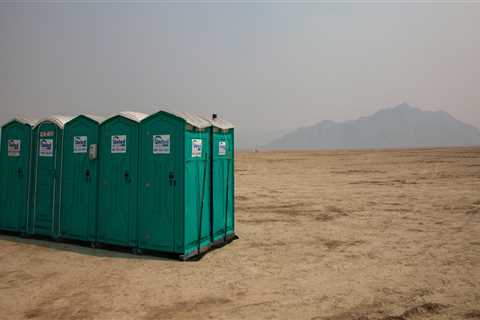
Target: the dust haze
(265, 67)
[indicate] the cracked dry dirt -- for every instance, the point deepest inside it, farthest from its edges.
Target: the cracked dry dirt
(323, 235)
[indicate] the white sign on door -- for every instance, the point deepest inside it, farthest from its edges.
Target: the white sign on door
(14, 146)
(46, 148)
(80, 144)
(119, 144)
(222, 148)
(161, 144)
(196, 148)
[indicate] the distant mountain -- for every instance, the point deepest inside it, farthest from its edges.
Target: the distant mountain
(399, 127)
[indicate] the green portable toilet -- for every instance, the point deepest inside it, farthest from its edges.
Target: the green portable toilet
(15, 169)
(223, 181)
(118, 175)
(174, 187)
(47, 171)
(78, 199)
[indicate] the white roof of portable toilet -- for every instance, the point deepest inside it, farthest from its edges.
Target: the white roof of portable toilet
(132, 115)
(190, 118)
(221, 123)
(22, 120)
(60, 121)
(193, 119)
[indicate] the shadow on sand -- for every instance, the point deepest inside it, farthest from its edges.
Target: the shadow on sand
(85, 248)
(102, 250)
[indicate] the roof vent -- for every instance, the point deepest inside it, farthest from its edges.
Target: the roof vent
(214, 116)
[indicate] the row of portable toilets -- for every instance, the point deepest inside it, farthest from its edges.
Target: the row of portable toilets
(162, 182)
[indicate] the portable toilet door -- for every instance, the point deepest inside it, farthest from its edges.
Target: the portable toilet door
(174, 187)
(78, 202)
(47, 171)
(223, 181)
(15, 165)
(117, 203)
(161, 155)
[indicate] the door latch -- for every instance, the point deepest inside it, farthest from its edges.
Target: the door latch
(128, 179)
(171, 179)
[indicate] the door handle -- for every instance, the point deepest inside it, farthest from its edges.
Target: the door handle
(20, 173)
(171, 179)
(128, 179)
(87, 175)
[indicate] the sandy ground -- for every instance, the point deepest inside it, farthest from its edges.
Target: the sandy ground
(323, 235)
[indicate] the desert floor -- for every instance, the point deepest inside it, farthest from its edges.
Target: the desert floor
(323, 235)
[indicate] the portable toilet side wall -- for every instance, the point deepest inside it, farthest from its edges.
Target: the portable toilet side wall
(174, 187)
(117, 203)
(78, 204)
(197, 186)
(15, 170)
(223, 181)
(47, 171)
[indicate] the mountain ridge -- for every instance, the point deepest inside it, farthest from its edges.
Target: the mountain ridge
(402, 126)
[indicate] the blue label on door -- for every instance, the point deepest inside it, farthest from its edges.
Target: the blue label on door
(46, 148)
(14, 146)
(80, 144)
(161, 144)
(119, 144)
(196, 148)
(222, 148)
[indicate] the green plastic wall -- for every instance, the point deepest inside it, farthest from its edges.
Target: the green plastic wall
(173, 178)
(118, 173)
(46, 177)
(141, 191)
(197, 192)
(161, 172)
(223, 205)
(15, 163)
(79, 180)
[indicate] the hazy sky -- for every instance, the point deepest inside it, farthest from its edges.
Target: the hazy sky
(265, 67)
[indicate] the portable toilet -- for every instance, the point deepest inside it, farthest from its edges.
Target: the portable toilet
(174, 187)
(118, 160)
(15, 169)
(223, 181)
(78, 199)
(47, 175)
